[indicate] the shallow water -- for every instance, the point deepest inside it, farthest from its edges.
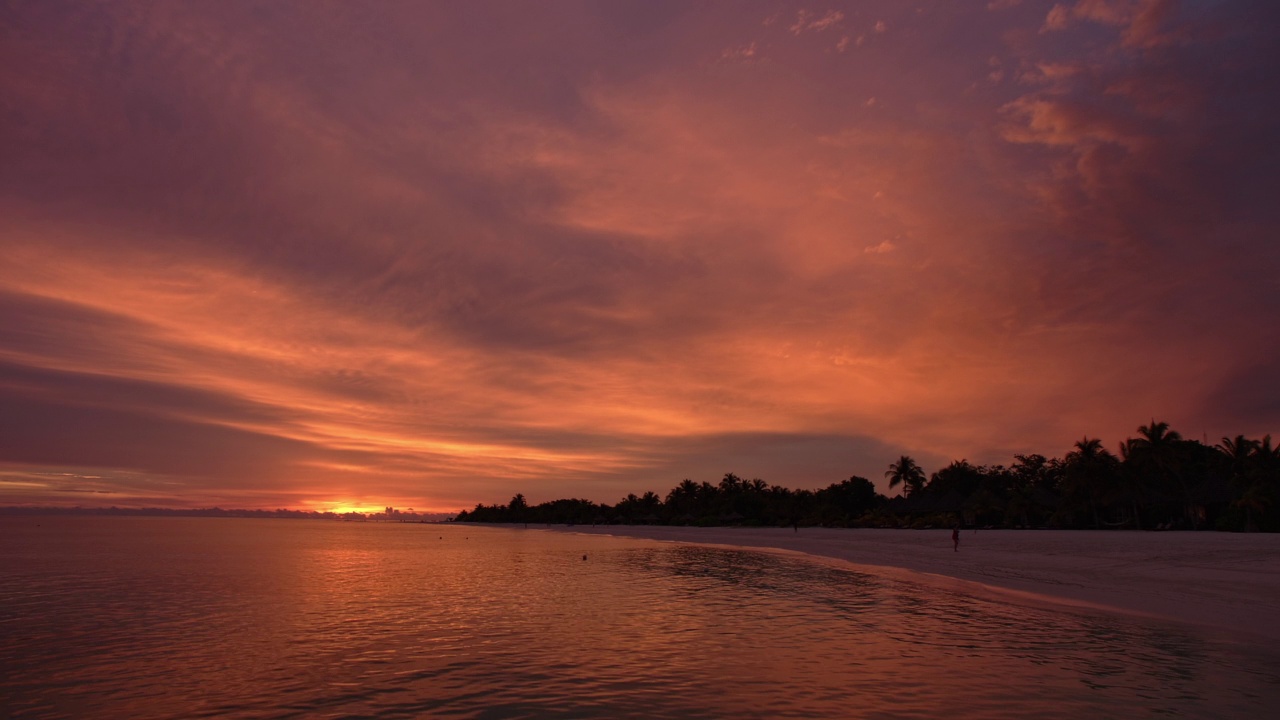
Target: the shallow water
(192, 617)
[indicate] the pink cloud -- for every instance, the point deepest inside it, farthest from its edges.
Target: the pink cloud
(431, 256)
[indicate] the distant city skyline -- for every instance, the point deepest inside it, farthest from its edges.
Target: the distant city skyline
(338, 257)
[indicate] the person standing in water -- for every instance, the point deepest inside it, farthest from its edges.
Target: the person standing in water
(955, 538)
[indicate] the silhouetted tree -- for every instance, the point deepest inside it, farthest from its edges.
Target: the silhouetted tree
(1252, 473)
(1156, 472)
(907, 473)
(1031, 482)
(1089, 477)
(1157, 453)
(960, 477)
(682, 501)
(518, 509)
(848, 500)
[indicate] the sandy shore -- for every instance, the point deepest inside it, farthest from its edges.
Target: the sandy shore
(1222, 580)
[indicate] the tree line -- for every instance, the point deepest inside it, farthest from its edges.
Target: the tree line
(1156, 481)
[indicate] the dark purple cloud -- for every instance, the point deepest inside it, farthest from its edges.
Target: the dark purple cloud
(435, 254)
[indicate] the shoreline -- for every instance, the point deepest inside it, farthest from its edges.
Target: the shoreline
(1224, 581)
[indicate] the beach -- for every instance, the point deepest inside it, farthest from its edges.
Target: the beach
(1226, 581)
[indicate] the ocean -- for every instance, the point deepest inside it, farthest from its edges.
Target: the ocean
(143, 617)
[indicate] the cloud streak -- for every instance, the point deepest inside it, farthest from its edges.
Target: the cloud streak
(433, 255)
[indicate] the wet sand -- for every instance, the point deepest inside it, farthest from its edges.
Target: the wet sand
(1222, 580)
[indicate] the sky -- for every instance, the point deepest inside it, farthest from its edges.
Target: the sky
(330, 255)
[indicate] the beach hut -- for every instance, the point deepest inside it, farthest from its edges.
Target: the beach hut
(732, 518)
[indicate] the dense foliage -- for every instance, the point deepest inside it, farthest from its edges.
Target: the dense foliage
(1157, 481)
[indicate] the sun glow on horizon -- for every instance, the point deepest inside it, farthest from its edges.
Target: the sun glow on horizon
(343, 507)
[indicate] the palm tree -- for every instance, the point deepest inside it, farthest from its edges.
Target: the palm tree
(1159, 443)
(1267, 467)
(1248, 474)
(1159, 450)
(1021, 482)
(1090, 468)
(731, 484)
(907, 473)
(683, 498)
(1132, 479)
(1238, 449)
(1157, 435)
(1267, 459)
(518, 508)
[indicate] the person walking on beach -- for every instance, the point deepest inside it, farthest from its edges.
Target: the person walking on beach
(955, 538)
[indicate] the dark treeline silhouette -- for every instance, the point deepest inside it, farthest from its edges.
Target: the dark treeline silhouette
(733, 501)
(1157, 481)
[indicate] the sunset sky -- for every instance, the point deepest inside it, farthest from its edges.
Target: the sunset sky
(330, 254)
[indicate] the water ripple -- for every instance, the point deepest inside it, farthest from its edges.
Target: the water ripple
(173, 617)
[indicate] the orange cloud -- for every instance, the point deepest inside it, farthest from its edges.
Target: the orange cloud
(430, 272)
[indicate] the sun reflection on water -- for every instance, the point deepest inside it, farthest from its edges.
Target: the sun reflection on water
(173, 617)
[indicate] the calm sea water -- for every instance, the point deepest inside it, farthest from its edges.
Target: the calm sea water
(193, 617)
